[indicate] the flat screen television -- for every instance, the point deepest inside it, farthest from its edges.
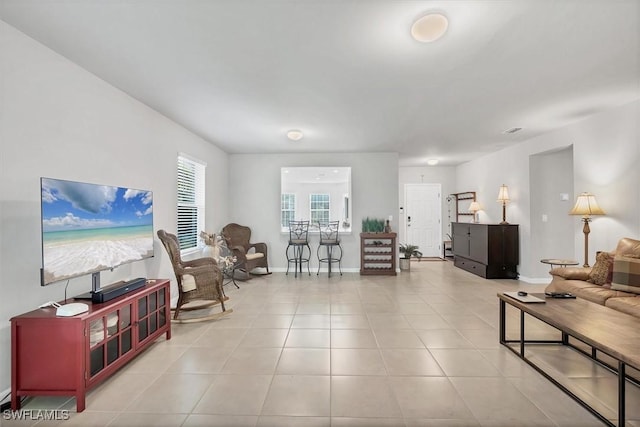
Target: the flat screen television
(88, 228)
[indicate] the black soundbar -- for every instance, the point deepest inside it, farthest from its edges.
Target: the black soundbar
(117, 289)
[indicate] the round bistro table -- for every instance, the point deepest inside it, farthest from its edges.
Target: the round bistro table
(555, 262)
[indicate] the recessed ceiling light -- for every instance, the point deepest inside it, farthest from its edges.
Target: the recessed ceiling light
(295, 135)
(432, 162)
(430, 27)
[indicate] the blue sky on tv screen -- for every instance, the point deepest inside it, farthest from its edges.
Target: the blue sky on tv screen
(69, 205)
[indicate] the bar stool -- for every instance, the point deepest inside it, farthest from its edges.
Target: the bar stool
(330, 240)
(298, 240)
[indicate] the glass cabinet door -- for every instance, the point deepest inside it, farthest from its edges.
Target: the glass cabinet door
(151, 313)
(110, 337)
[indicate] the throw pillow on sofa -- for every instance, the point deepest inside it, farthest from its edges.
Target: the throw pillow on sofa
(602, 270)
(626, 274)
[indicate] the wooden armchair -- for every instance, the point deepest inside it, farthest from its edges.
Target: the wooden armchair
(198, 280)
(238, 239)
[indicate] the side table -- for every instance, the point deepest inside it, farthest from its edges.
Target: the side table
(555, 262)
(229, 275)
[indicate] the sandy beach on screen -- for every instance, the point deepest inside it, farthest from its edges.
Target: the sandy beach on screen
(82, 257)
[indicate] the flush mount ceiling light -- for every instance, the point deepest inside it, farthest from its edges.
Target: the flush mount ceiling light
(432, 162)
(430, 27)
(295, 135)
(511, 130)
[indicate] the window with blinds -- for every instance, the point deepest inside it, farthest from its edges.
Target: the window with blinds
(191, 176)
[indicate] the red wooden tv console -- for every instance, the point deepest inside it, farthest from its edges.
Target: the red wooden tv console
(66, 356)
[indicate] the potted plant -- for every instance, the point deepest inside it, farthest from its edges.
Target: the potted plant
(408, 251)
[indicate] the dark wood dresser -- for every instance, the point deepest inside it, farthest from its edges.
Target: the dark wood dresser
(488, 250)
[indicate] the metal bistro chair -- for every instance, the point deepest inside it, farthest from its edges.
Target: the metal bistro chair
(330, 241)
(298, 240)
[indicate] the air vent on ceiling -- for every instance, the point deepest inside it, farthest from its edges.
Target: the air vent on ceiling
(512, 130)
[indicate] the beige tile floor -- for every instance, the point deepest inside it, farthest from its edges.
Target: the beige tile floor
(419, 349)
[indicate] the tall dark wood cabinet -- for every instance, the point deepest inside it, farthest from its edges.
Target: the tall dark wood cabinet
(488, 250)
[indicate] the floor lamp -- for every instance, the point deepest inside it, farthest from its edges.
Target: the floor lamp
(586, 206)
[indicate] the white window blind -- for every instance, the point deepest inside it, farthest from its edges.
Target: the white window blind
(191, 178)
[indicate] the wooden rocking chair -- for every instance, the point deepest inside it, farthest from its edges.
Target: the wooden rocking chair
(198, 280)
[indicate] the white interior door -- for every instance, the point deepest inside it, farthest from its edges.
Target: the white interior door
(423, 210)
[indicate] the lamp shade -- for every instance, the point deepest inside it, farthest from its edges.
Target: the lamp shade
(474, 207)
(503, 195)
(586, 205)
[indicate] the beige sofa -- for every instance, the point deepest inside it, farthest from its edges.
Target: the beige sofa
(580, 282)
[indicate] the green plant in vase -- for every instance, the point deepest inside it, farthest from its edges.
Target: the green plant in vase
(408, 251)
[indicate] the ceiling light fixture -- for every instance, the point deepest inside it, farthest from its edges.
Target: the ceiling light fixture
(430, 27)
(511, 130)
(432, 162)
(295, 135)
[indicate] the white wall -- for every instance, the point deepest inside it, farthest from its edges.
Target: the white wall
(606, 151)
(59, 121)
(254, 197)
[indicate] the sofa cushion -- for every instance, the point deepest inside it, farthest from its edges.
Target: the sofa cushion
(570, 285)
(629, 305)
(586, 290)
(626, 274)
(600, 295)
(602, 270)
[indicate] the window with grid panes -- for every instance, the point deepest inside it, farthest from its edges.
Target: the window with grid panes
(319, 207)
(191, 203)
(287, 209)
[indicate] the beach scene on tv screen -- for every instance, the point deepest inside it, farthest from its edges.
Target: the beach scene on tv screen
(88, 228)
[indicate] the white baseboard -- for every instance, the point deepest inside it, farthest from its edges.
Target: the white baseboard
(315, 270)
(4, 393)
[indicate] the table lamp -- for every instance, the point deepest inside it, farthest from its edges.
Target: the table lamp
(503, 197)
(586, 206)
(474, 207)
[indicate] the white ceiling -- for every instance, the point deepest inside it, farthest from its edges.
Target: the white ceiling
(240, 73)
